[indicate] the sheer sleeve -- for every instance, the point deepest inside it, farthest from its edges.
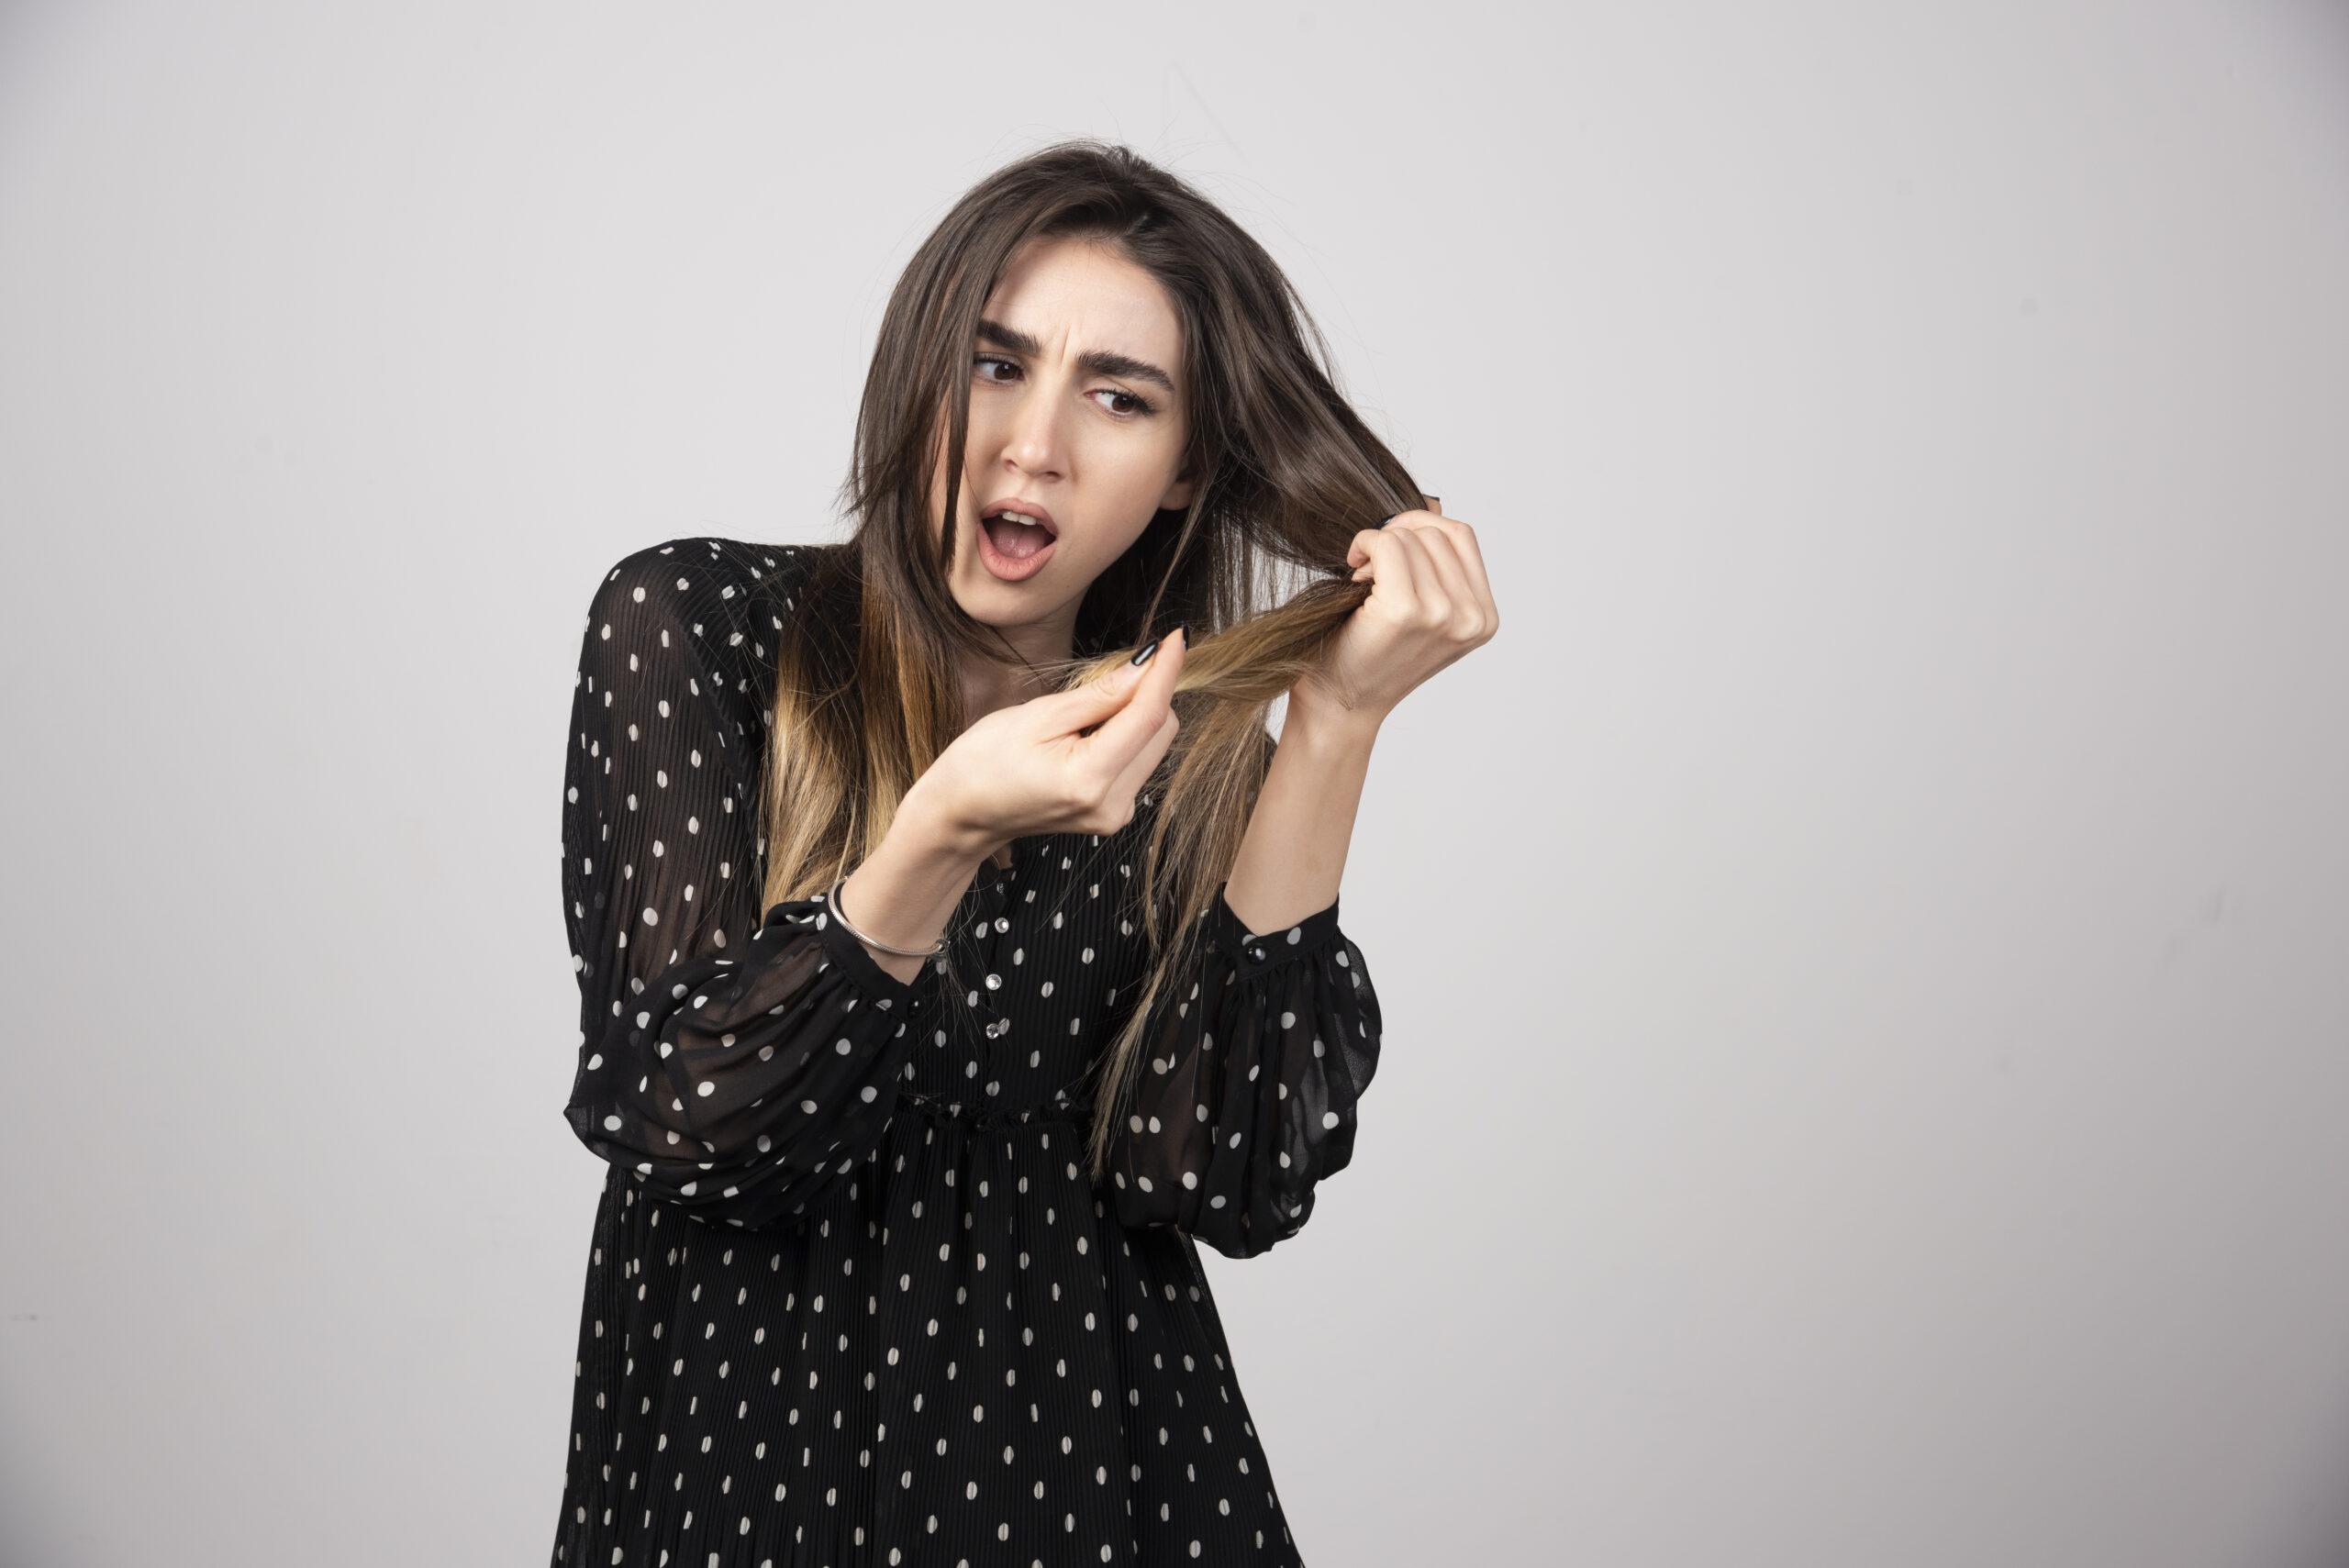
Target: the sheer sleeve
(733, 1065)
(1245, 1098)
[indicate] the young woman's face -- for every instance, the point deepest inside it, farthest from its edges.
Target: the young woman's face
(1077, 432)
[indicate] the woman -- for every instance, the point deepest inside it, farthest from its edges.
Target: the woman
(894, 1262)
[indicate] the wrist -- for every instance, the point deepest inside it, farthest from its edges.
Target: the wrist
(927, 828)
(1315, 720)
(905, 892)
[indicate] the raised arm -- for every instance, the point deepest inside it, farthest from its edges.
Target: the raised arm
(1430, 604)
(1252, 1069)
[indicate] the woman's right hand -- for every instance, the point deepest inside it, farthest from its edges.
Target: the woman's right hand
(1070, 762)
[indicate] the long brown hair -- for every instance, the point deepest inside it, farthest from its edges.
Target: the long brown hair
(867, 695)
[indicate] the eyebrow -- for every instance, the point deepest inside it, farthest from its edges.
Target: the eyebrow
(1097, 362)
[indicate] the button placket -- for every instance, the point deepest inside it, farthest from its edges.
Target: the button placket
(987, 926)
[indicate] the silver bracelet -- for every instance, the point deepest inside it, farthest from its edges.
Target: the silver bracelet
(832, 901)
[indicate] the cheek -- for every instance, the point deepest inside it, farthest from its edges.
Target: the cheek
(1122, 496)
(982, 437)
(1132, 475)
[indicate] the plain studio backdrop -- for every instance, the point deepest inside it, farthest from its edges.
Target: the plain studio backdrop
(1866, 952)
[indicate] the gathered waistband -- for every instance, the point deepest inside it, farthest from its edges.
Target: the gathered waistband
(1075, 1109)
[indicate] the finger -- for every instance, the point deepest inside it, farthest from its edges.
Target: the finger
(1381, 553)
(1461, 597)
(1453, 543)
(1471, 558)
(1412, 589)
(1066, 713)
(1129, 729)
(1435, 503)
(1142, 764)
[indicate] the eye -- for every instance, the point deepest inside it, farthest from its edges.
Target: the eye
(995, 368)
(1118, 400)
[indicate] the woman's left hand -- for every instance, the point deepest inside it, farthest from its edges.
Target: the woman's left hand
(1429, 604)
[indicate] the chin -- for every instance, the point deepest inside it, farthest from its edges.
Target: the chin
(994, 603)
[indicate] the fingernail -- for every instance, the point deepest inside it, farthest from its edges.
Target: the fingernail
(1183, 629)
(1141, 654)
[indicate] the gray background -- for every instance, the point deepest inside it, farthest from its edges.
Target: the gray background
(1866, 950)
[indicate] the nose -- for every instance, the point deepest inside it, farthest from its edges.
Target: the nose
(1036, 444)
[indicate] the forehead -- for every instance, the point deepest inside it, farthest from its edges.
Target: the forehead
(1080, 296)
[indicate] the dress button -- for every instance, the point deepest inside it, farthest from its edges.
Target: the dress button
(994, 982)
(1001, 924)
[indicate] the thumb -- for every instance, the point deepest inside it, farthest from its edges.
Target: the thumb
(1094, 701)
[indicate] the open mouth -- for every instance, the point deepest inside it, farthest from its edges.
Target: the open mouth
(1015, 539)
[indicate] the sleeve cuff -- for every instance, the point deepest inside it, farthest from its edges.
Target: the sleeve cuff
(854, 960)
(1256, 952)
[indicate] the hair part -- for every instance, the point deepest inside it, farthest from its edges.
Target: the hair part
(867, 691)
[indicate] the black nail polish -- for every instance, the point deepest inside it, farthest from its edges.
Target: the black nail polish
(1185, 629)
(1141, 654)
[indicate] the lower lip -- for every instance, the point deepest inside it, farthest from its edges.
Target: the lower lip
(1003, 567)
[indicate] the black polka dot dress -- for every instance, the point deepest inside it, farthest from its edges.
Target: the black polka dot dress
(853, 1297)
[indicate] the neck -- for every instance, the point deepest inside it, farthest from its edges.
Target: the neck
(991, 684)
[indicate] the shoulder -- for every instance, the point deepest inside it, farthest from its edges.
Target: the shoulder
(720, 580)
(720, 603)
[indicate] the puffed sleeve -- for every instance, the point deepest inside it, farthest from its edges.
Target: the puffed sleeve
(735, 1066)
(1245, 1098)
